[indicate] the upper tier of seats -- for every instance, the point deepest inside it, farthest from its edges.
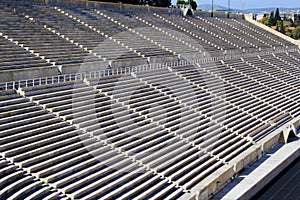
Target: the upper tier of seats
(48, 39)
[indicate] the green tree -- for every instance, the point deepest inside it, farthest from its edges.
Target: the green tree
(297, 21)
(193, 4)
(277, 15)
(181, 2)
(292, 23)
(265, 21)
(272, 20)
(296, 33)
(163, 3)
(277, 25)
(281, 26)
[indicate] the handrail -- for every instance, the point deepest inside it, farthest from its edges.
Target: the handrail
(128, 70)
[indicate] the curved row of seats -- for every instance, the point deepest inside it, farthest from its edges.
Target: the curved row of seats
(237, 30)
(163, 110)
(280, 65)
(81, 34)
(266, 90)
(130, 131)
(117, 31)
(41, 40)
(54, 160)
(16, 58)
(252, 29)
(204, 39)
(146, 135)
(213, 120)
(28, 134)
(149, 134)
(242, 41)
(72, 38)
(18, 184)
(174, 40)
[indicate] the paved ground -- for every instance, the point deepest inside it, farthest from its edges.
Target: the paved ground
(284, 186)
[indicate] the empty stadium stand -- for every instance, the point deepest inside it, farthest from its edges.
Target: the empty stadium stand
(107, 103)
(72, 40)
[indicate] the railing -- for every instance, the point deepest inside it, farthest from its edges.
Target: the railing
(128, 70)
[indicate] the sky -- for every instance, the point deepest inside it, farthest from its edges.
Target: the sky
(238, 4)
